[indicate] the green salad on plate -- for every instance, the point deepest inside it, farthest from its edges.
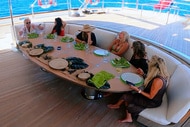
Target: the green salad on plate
(67, 39)
(33, 35)
(80, 46)
(120, 62)
(50, 36)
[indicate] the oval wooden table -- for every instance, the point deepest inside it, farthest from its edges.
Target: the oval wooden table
(95, 62)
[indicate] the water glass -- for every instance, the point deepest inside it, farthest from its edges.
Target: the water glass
(68, 45)
(105, 56)
(87, 47)
(55, 37)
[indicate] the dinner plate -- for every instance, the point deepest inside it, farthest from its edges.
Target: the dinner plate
(131, 77)
(36, 52)
(101, 52)
(58, 63)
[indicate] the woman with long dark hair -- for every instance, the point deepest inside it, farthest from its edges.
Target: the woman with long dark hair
(59, 27)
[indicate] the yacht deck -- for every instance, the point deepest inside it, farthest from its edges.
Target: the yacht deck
(33, 98)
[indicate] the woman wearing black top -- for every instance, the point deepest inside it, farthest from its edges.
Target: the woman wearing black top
(86, 35)
(151, 96)
(139, 59)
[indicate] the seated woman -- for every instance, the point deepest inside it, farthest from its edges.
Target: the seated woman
(120, 45)
(138, 58)
(151, 96)
(29, 28)
(86, 35)
(59, 27)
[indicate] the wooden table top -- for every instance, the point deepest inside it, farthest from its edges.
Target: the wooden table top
(95, 62)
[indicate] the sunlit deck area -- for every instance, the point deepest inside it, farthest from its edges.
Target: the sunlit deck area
(30, 97)
(168, 30)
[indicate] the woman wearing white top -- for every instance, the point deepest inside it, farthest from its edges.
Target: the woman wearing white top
(29, 28)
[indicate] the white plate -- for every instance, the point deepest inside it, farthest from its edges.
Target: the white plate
(131, 77)
(58, 63)
(101, 52)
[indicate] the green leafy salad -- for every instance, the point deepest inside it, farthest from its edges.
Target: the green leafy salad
(50, 36)
(80, 46)
(120, 62)
(67, 39)
(33, 35)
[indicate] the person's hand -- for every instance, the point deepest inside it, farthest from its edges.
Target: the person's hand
(140, 71)
(21, 33)
(134, 88)
(89, 34)
(83, 42)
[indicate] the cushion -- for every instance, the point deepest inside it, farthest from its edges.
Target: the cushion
(157, 115)
(48, 26)
(73, 29)
(128, 54)
(178, 94)
(104, 38)
(171, 62)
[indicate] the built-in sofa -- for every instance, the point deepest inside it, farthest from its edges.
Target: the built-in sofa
(175, 108)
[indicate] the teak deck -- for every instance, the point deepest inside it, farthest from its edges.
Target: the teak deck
(30, 97)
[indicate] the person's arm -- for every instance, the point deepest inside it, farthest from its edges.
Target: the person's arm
(79, 41)
(40, 27)
(156, 86)
(110, 47)
(78, 38)
(64, 23)
(122, 49)
(21, 32)
(89, 41)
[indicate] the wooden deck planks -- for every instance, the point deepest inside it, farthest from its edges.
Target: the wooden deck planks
(30, 97)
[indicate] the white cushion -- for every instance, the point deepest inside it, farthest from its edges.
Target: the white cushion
(157, 115)
(179, 94)
(48, 27)
(73, 29)
(17, 29)
(128, 54)
(104, 38)
(171, 62)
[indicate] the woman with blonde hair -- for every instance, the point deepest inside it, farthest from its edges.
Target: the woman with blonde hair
(86, 36)
(29, 28)
(120, 45)
(151, 96)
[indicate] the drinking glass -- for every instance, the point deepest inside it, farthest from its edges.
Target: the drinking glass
(105, 56)
(55, 36)
(87, 47)
(68, 45)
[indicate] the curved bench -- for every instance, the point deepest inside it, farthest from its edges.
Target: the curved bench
(176, 101)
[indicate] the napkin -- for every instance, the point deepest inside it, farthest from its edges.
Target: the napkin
(100, 78)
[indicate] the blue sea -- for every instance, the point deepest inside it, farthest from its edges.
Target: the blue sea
(22, 7)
